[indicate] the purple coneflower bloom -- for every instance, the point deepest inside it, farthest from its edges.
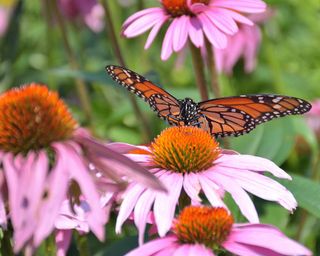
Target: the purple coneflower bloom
(47, 159)
(187, 160)
(245, 43)
(89, 11)
(194, 19)
(201, 230)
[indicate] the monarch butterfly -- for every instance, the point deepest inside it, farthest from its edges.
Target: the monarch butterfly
(221, 117)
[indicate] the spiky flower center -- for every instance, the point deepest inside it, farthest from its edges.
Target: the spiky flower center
(204, 225)
(177, 8)
(185, 149)
(31, 118)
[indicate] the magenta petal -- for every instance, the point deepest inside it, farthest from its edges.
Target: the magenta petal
(210, 189)
(195, 32)
(165, 204)
(224, 22)
(80, 173)
(142, 24)
(248, 6)
(26, 188)
(236, 16)
(151, 248)
(3, 215)
(154, 31)
(134, 170)
(242, 249)
(214, 35)
(141, 212)
(192, 186)
(180, 35)
(262, 186)
(63, 239)
(267, 236)
(240, 197)
(57, 188)
(167, 44)
(252, 163)
(130, 198)
(140, 14)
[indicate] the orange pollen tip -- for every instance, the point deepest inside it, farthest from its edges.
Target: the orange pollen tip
(203, 225)
(139, 151)
(185, 149)
(178, 8)
(31, 118)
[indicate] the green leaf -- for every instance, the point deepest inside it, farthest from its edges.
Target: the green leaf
(306, 192)
(273, 140)
(120, 247)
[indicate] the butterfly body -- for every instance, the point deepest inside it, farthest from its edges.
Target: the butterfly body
(221, 117)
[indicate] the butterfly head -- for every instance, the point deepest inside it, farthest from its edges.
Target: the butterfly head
(189, 111)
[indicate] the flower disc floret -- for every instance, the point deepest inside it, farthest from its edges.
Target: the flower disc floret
(185, 149)
(203, 225)
(177, 8)
(31, 118)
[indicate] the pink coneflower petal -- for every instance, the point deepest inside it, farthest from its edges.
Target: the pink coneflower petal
(214, 35)
(236, 16)
(63, 239)
(129, 202)
(154, 246)
(26, 189)
(192, 187)
(263, 187)
(248, 6)
(165, 204)
(58, 183)
(195, 32)
(167, 49)
(141, 212)
(139, 14)
(181, 34)
(210, 190)
(252, 163)
(154, 31)
(223, 22)
(240, 197)
(82, 177)
(259, 236)
(141, 25)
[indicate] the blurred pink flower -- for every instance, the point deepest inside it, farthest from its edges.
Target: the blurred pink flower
(245, 43)
(90, 11)
(46, 159)
(205, 231)
(4, 20)
(196, 19)
(313, 117)
(188, 159)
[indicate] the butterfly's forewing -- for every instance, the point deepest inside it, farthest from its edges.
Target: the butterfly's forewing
(159, 100)
(239, 115)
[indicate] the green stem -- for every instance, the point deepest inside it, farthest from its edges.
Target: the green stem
(80, 85)
(184, 200)
(140, 5)
(82, 245)
(212, 71)
(117, 51)
(199, 71)
(6, 244)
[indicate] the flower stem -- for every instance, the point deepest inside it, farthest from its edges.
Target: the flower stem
(6, 245)
(117, 51)
(80, 85)
(212, 71)
(184, 200)
(82, 245)
(199, 71)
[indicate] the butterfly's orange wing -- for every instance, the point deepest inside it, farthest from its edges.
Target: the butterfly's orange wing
(162, 102)
(239, 115)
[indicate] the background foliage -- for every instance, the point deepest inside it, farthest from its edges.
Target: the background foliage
(289, 59)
